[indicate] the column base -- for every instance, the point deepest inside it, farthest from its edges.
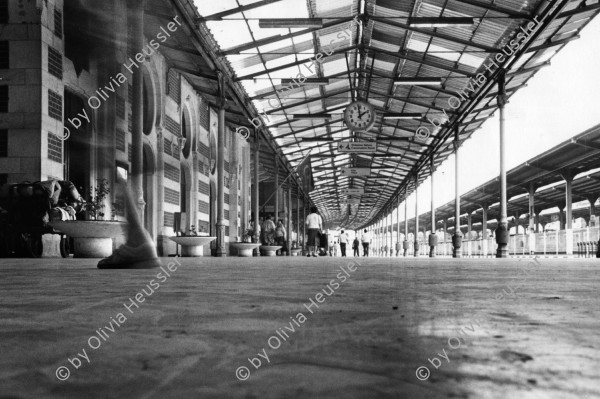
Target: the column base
(221, 250)
(432, 252)
(502, 252)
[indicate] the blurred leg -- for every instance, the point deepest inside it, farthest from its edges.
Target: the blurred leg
(139, 251)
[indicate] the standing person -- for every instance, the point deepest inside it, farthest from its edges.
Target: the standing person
(268, 228)
(343, 242)
(280, 235)
(314, 223)
(355, 245)
(366, 240)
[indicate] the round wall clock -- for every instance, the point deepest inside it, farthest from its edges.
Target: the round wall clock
(359, 116)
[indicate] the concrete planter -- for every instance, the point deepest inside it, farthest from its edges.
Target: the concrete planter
(245, 249)
(192, 246)
(270, 250)
(91, 239)
(296, 252)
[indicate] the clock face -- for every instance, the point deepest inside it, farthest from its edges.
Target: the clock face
(359, 116)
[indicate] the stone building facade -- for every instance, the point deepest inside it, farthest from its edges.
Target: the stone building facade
(66, 113)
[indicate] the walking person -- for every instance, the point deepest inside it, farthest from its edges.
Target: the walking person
(314, 223)
(366, 240)
(343, 242)
(355, 245)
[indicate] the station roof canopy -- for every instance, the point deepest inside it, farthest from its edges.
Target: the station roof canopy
(430, 68)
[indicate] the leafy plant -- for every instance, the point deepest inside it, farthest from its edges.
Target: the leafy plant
(95, 203)
(249, 235)
(270, 237)
(117, 209)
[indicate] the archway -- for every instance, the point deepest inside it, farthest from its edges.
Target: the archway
(186, 132)
(186, 205)
(149, 103)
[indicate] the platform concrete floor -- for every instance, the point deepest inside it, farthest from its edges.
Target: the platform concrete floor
(494, 329)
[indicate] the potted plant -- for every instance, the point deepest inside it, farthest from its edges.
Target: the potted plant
(248, 236)
(248, 244)
(94, 205)
(270, 249)
(117, 209)
(295, 250)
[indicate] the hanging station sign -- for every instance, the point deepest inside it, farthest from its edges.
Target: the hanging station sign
(352, 191)
(362, 147)
(353, 172)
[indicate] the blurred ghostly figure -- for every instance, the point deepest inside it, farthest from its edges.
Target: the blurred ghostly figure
(139, 251)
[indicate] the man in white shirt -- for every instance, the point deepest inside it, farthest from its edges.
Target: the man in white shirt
(314, 223)
(366, 240)
(343, 242)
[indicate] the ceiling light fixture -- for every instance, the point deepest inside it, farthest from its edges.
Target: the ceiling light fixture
(418, 81)
(311, 116)
(403, 115)
(313, 139)
(269, 23)
(306, 82)
(439, 22)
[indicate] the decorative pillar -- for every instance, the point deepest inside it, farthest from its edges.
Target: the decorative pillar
(137, 110)
(502, 233)
(221, 250)
(457, 238)
(433, 235)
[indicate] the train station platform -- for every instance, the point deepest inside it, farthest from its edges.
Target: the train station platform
(231, 328)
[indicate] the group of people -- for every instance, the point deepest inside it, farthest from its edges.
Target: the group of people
(277, 232)
(314, 223)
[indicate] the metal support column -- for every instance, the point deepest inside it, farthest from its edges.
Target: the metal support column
(405, 244)
(276, 190)
(221, 250)
(457, 238)
(298, 221)
(484, 233)
(433, 235)
(531, 190)
(256, 191)
(568, 176)
(469, 233)
(502, 233)
(416, 216)
(289, 219)
(398, 243)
